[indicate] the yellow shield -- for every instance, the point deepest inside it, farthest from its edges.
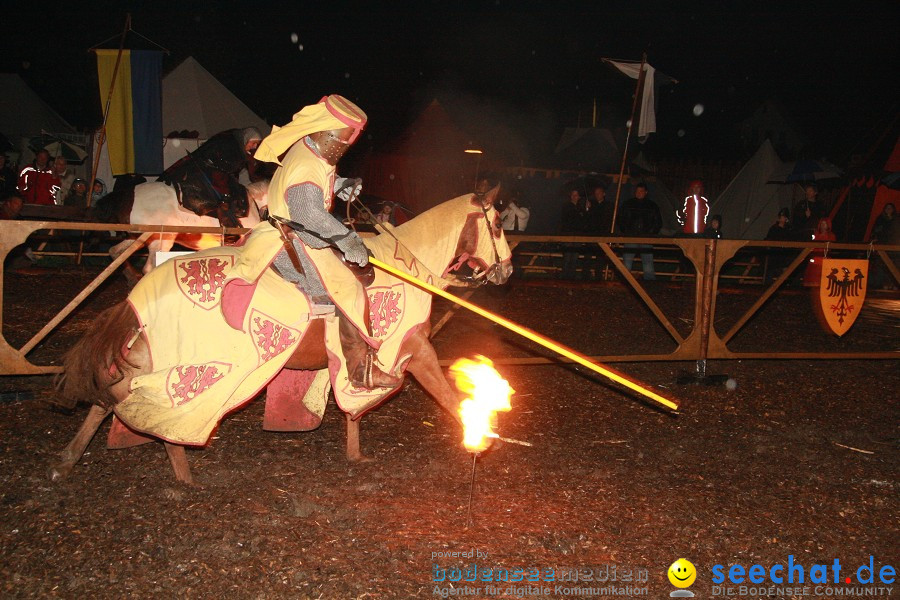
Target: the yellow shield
(842, 291)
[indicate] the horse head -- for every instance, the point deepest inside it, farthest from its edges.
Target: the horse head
(482, 254)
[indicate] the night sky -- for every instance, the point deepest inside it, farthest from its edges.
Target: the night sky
(532, 68)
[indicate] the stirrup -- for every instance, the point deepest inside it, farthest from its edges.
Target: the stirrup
(370, 369)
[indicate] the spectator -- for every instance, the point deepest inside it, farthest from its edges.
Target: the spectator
(600, 221)
(692, 216)
(515, 216)
(7, 178)
(597, 221)
(386, 214)
(713, 230)
(77, 194)
(10, 207)
(781, 230)
(640, 218)
(37, 182)
(572, 223)
(813, 273)
(98, 191)
(886, 231)
(807, 213)
(779, 258)
(66, 177)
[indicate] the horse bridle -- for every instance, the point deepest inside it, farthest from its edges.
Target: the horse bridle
(477, 277)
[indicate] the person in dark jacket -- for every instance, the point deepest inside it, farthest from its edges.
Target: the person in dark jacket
(640, 218)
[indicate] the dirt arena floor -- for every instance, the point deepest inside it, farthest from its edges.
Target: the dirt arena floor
(799, 459)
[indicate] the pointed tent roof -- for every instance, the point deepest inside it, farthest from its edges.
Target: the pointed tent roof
(771, 121)
(23, 113)
(193, 99)
(749, 205)
(588, 148)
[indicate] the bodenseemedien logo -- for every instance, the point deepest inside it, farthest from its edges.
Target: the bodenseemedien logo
(682, 574)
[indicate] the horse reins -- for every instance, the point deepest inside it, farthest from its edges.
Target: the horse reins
(476, 277)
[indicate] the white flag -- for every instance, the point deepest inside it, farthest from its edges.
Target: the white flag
(647, 122)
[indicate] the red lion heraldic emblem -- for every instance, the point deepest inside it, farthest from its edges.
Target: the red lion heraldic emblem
(186, 382)
(271, 338)
(385, 309)
(201, 278)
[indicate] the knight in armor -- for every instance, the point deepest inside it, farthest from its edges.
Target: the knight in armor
(302, 190)
(209, 179)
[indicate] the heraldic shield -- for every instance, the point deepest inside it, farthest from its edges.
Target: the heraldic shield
(842, 291)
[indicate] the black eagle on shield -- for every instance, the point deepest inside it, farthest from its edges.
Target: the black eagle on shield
(844, 289)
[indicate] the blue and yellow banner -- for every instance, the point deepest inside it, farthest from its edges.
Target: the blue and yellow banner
(134, 122)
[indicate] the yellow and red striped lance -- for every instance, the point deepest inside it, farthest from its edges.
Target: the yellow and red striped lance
(577, 357)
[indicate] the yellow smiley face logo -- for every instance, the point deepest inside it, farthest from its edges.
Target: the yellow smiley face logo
(682, 573)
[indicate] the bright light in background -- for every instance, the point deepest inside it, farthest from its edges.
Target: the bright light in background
(698, 110)
(487, 393)
(472, 151)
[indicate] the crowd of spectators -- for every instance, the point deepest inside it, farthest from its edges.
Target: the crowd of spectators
(640, 217)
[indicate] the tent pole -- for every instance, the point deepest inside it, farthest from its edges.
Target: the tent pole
(637, 95)
(102, 132)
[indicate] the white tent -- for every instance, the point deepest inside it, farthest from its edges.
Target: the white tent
(194, 100)
(23, 113)
(749, 205)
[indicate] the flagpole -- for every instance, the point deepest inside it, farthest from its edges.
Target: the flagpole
(637, 95)
(101, 138)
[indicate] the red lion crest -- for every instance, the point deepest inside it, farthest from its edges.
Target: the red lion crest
(186, 382)
(385, 309)
(202, 278)
(271, 338)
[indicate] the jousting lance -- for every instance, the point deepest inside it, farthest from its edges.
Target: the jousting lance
(531, 335)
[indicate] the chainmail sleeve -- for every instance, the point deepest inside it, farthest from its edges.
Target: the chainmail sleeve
(306, 205)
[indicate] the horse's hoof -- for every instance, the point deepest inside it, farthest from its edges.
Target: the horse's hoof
(59, 472)
(360, 458)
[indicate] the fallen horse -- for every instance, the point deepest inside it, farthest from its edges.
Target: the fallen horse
(182, 352)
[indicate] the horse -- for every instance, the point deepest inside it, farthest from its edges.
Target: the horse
(157, 370)
(156, 203)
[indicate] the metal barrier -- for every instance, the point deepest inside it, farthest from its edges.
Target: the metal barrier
(703, 342)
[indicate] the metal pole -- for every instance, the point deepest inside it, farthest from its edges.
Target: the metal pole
(471, 487)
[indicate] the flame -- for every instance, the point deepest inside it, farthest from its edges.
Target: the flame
(487, 393)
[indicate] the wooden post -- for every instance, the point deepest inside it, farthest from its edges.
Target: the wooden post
(637, 95)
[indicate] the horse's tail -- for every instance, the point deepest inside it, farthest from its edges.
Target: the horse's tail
(98, 360)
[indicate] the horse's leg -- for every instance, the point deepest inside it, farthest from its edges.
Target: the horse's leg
(130, 272)
(425, 368)
(353, 452)
(140, 356)
(178, 459)
(161, 243)
(74, 451)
